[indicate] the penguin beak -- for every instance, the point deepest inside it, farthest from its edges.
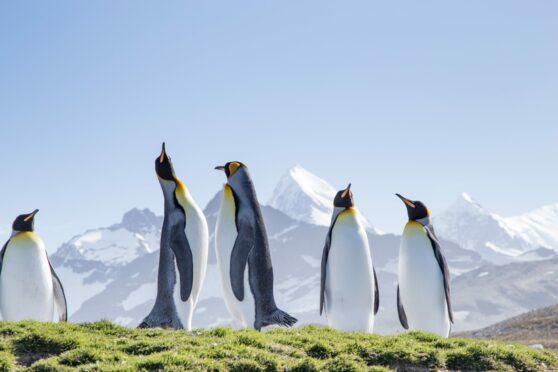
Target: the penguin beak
(220, 167)
(406, 201)
(31, 215)
(346, 191)
(163, 154)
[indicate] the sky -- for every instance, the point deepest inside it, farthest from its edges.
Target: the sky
(428, 99)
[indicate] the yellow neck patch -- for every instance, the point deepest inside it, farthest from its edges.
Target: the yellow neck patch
(415, 227)
(233, 167)
(346, 214)
(181, 194)
(25, 235)
(229, 206)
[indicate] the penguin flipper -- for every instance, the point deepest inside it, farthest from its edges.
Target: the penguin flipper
(59, 296)
(325, 255)
(2, 252)
(376, 292)
(239, 258)
(401, 311)
(184, 261)
(443, 267)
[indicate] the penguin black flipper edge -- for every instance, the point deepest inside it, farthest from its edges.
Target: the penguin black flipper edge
(59, 296)
(184, 261)
(401, 311)
(376, 292)
(443, 267)
(239, 259)
(2, 255)
(325, 255)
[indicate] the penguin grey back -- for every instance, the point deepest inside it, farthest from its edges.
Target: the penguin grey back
(174, 248)
(252, 248)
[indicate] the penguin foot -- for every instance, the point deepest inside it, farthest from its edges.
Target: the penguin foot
(154, 322)
(281, 318)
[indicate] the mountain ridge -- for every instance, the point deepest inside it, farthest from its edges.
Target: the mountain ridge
(123, 290)
(498, 239)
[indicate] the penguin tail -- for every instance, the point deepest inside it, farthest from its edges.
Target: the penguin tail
(281, 318)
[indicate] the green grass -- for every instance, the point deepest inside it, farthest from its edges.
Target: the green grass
(103, 346)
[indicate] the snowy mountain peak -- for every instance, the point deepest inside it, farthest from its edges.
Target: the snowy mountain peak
(119, 244)
(139, 220)
(466, 204)
(304, 196)
(470, 225)
(467, 197)
(539, 227)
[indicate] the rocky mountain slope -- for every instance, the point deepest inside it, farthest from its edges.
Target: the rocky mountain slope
(493, 293)
(537, 327)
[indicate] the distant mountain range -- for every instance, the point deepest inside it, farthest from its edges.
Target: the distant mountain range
(498, 239)
(111, 272)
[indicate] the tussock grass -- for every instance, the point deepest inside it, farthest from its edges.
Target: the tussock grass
(104, 346)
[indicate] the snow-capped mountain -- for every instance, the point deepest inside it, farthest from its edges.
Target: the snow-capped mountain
(538, 228)
(124, 292)
(88, 263)
(110, 273)
(306, 197)
(499, 240)
(137, 234)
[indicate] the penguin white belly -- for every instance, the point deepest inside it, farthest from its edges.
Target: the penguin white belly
(349, 289)
(197, 235)
(225, 237)
(26, 291)
(421, 283)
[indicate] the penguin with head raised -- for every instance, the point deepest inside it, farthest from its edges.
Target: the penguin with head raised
(349, 287)
(29, 287)
(423, 294)
(243, 253)
(183, 253)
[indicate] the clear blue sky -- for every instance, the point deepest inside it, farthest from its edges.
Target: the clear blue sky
(426, 98)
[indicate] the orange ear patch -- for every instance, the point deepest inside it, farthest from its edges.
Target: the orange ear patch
(233, 167)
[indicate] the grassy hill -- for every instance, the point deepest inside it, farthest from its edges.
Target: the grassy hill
(535, 327)
(104, 346)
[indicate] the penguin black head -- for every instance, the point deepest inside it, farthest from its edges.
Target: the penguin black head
(163, 166)
(25, 222)
(344, 198)
(231, 168)
(415, 209)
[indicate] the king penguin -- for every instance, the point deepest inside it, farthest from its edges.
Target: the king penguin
(29, 287)
(183, 253)
(423, 294)
(243, 254)
(349, 287)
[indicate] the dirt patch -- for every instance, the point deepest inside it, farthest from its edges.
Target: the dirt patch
(27, 359)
